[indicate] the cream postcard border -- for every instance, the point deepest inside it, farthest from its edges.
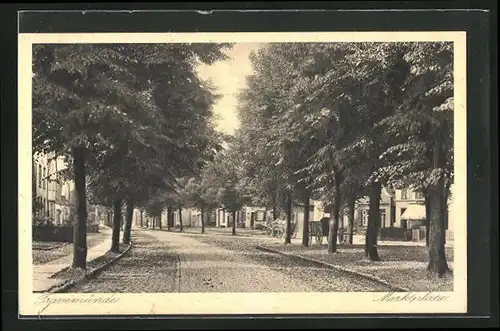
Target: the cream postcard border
(236, 303)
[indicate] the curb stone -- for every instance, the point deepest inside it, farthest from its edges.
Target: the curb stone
(62, 270)
(337, 267)
(67, 285)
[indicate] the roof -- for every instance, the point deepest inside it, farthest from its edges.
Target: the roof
(414, 212)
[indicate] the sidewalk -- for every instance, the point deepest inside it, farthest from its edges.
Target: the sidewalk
(42, 273)
(404, 266)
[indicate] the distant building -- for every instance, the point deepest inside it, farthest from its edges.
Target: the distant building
(224, 218)
(317, 211)
(361, 212)
(398, 208)
(255, 216)
(410, 209)
(138, 219)
(54, 195)
(190, 217)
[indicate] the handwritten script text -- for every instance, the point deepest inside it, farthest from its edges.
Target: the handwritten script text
(412, 297)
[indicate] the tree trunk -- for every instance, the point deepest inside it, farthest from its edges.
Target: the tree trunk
(373, 222)
(445, 212)
(427, 217)
(128, 222)
(108, 221)
(33, 177)
(115, 236)
(202, 220)
(181, 227)
(305, 226)
(34, 196)
(169, 218)
(47, 182)
(159, 221)
(141, 220)
(393, 212)
(289, 211)
(350, 219)
(234, 223)
(437, 257)
(275, 206)
(80, 224)
(334, 219)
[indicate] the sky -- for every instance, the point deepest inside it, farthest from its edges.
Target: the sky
(229, 77)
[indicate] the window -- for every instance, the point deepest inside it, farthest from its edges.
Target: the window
(402, 211)
(404, 194)
(260, 215)
(43, 178)
(364, 218)
(382, 217)
(40, 176)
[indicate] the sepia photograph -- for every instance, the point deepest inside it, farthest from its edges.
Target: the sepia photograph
(242, 172)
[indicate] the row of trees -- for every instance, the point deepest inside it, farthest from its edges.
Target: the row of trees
(329, 121)
(134, 120)
(217, 185)
(338, 121)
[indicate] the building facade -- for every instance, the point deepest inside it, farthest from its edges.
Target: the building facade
(190, 217)
(410, 209)
(317, 211)
(398, 208)
(54, 196)
(224, 219)
(255, 217)
(361, 212)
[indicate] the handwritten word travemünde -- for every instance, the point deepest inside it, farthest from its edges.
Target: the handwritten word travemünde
(412, 297)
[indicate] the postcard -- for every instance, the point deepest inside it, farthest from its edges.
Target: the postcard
(242, 173)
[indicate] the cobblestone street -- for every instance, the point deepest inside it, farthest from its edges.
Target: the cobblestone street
(162, 261)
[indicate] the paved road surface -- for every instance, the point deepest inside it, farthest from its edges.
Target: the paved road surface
(162, 261)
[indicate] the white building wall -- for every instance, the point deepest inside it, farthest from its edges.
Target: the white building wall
(48, 183)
